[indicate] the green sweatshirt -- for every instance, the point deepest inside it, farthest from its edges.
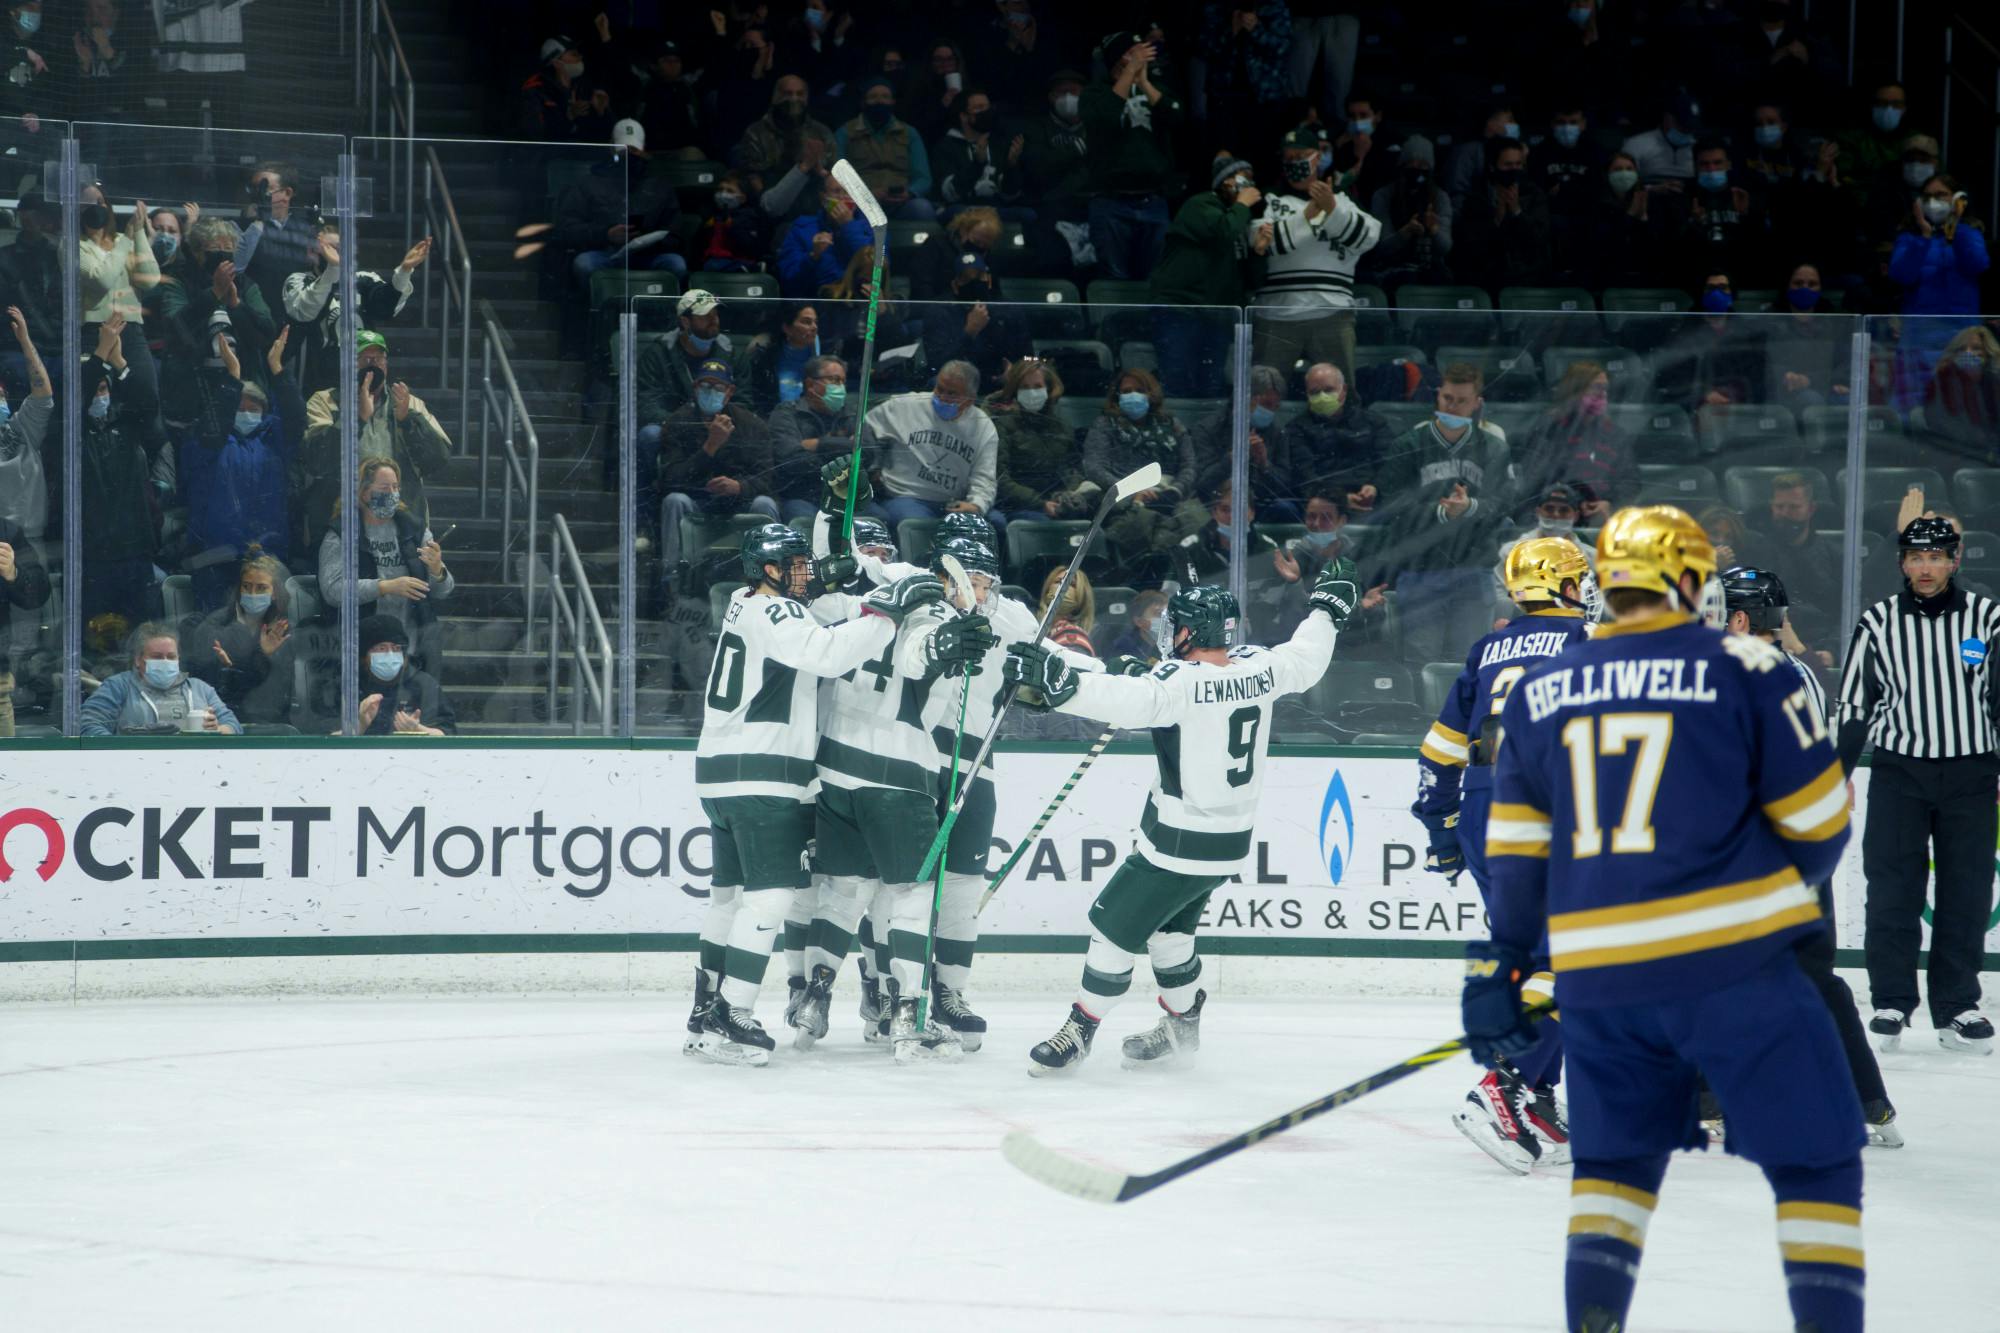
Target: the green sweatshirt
(1203, 263)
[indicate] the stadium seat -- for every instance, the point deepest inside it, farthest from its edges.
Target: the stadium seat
(1881, 573)
(1757, 299)
(1079, 412)
(1738, 425)
(1033, 547)
(1402, 417)
(1511, 373)
(1661, 434)
(1085, 365)
(703, 531)
(1826, 427)
(693, 182)
(1114, 613)
(1887, 485)
(1516, 419)
(1981, 548)
(1192, 410)
(1107, 296)
(1627, 370)
(1057, 306)
(749, 300)
(913, 539)
(177, 597)
(1012, 255)
(613, 287)
(1977, 490)
(905, 237)
(1622, 304)
(1362, 683)
(1747, 490)
(1544, 314)
(1382, 354)
(1687, 485)
(1138, 354)
(1444, 314)
(1436, 683)
(1373, 320)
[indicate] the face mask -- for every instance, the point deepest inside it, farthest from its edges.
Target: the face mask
(1713, 180)
(1557, 527)
(1325, 160)
(1580, 16)
(1134, 405)
(1678, 138)
(1769, 136)
(93, 217)
(791, 113)
(815, 18)
(1319, 541)
(161, 672)
(1326, 402)
(696, 341)
(1936, 210)
(1970, 361)
(247, 422)
(100, 407)
(1593, 403)
(1032, 400)
(878, 114)
(1453, 421)
(385, 666)
(6, 412)
(1019, 20)
(710, 401)
(1717, 300)
(1569, 135)
(1916, 174)
(1505, 176)
(383, 504)
(164, 246)
(1297, 170)
(1066, 105)
(254, 603)
(1261, 417)
(1887, 118)
(726, 202)
(834, 396)
(1416, 180)
(946, 411)
(1361, 126)
(982, 122)
(1788, 528)
(30, 21)
(1510, 131)
(1623, 182)
(574, 67)
(1802, 298)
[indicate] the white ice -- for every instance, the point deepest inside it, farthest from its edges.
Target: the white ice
(553, 1164)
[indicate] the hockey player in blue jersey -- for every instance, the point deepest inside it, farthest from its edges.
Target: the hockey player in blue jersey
(1512, 1115)
(1673, 931)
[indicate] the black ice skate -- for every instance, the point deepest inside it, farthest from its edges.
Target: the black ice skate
(1175, 1038)
(795, 995)
(875, 1007)
(948, 1007)
(1709, 1111)
(929, 1044)
(1971, 1032)
(810, 1019)
(733, 1037)
(704, 996)
(1067, 1048)
(1489, 1120)
(1887, 1028)
(1880, 1120)
(1539, 1110)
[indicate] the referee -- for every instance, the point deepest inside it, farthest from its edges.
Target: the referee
(1919, 684)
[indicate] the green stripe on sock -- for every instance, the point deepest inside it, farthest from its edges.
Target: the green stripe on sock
(743, 965)
(954, 953)
(711, 956)
(906, 945)
(1185, 975)
(825, 935)
(1106, 983)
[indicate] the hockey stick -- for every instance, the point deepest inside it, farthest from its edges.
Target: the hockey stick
(1069, 785)
(1060, 1171)
(1145, 479)
(864, 199)
(961, 587)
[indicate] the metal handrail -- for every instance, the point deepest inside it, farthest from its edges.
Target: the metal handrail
(562, 551)
(455, 263)
(388, 56)
(510, 409)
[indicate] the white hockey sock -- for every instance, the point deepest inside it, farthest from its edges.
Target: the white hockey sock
(842, 899)
(906, 909)
(1107, 975)
(958, 928)
(1176, 968)
(752, 935)
(715, 932)
(798, 925)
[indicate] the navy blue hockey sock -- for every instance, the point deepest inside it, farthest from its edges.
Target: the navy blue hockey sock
(1543, 1064)
(1819, 1235)
(1610, 1205)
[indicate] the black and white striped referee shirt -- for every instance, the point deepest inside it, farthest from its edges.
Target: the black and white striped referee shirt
(1922, 683)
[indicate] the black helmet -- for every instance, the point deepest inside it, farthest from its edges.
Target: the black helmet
(872, 532)
(976, 557)
(960, 523)
(1208, 614)
(1929, 534)
(772, 544)
(1759, 594)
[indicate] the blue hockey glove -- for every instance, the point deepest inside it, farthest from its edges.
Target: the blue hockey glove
(1445, 857)
(1490, 1004)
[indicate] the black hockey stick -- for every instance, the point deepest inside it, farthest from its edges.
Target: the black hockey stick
(1099, 1184)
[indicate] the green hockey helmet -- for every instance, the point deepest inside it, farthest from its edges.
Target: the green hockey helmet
(873, 532)
(959, 523)
(775, 544)
(1208, 614)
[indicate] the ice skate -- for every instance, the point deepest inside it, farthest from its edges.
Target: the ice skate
(704, 996)
(809, 1020)
(1488, 1119)
(1710, 1114)
(875, 1008)
(733, 1037)
(949, 1008)
(1176, 1037)
(929, 1044)
(1970, 1032)
(1067, 1048)
(1542, 1113)
(1880, 1119)
(795, 995)
(1887, 1028)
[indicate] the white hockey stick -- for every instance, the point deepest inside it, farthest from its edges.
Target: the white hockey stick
(878, 221)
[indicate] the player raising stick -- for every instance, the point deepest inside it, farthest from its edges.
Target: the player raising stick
(1209, 707)
(1661, 813)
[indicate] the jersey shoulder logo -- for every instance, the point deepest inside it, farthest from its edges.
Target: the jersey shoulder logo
(1754, 654)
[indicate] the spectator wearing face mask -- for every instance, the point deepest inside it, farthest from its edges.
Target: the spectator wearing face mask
(1666, 152)
(1554, 512)
(1808, 564)
(933, 452)
(244, 647)
(816, 46)
(278, 238)
(734, 238)
(394, 424)
(1962, 400)
(1129, 122)
(1714, 360)
(399, 570)
(1771, 155)
(1214, 438)
(1338, 446)
(1727, 227)
(1807, 357)
(1577, 444)
(1204, 556)
(1631, 226)
(974, 327)
(1212, 258)
(24, 424)
(113, 266)
(808, 432)
(201, 285)
(1467, 165)
(120, 537)
(619, 216)
(1133, 429)
(234, 470)
(1504, 238)
(1587, 54)
(1366, 155)
(312, 301)
(1136, 639)
(1898, 186)
(666, 369)
(1304, 311)
(938, 262)
(155, 695)
(1038, 474)
(1780, 53)
(1939, 258)
(1567, 165)
(1868, 151)
(888, 153)
(715, 459)
(1298, 563)
(398, 697)
(977, 166)
(1416, 218)
(1055, 173)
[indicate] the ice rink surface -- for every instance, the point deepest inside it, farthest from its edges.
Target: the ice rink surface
(557, 1164)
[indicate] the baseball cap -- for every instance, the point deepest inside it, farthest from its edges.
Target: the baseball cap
(367, 338)
(972, 259)
(696, 302)
(715, 370)
(1301, 138)
(1922, 143)
(1560, 493)
(554, 47)
(1417, 149)
(629, 133)
(1064, 75)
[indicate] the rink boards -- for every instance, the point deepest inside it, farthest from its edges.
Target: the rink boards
(418, 846)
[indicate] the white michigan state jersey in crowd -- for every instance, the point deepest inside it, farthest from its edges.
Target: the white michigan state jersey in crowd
(760, 714)
(1211, 731)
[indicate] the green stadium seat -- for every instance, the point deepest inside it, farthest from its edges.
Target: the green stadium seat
(749, 300)
(913, 538)
(1054, 306)
(1662, 434)
(1686, 485)
(1747, 490)
(1825, 428)
(1108, 296)
(1887, 485)
(1511, 373)
(704, 531)
(617, 287)
(1977, 490)
(1033, 548)
(1434, 686)
(1079, 413)
(1730, 426)
(1444, 314)
(1645, 317)
(1084, 364)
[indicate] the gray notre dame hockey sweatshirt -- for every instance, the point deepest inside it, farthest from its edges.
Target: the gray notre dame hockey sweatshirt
(928, 458)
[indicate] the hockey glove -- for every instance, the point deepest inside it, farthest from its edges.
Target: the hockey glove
(1050, 681)
(1490, 1005)
(1125, 665)
(896, 600)
(1445, 856)
(957, 647)
(833, 486)
(1336, 591)
(835, 572)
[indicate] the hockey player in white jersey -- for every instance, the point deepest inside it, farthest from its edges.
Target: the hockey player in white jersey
(1209, 707)
(754, 767)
